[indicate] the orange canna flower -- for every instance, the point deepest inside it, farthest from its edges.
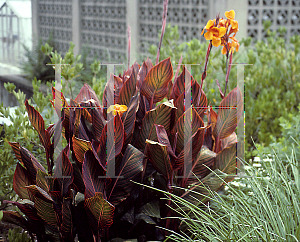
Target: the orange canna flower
(214, 33)
(231, 46)
(117, 108)
(220, 31)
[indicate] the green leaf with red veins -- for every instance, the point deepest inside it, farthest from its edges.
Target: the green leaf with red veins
(129, 169)
(229, 114)
(21, 180)
(160, 115)
(155, 86)
(159, 156)
(100, 211)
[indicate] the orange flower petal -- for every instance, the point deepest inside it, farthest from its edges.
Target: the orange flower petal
(209, 24)
(234, 24)
(224, 50)
(222, 22)
(216, 41)
(208, 35)
(110, 109)
(230, 14)
(202, 31)
(222, 31)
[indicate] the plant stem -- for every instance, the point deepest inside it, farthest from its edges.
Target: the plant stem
(206, 62)
(164, 21)
(227, 74)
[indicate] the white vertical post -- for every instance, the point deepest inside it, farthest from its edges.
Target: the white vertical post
(35, 22)
(76, 25)
(132, 20)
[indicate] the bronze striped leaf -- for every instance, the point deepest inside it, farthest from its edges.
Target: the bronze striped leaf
(155, 86)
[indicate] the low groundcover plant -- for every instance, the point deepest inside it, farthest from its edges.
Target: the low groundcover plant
(76, 195)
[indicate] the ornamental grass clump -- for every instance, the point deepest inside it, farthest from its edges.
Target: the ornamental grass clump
(88, 190)
(269, 210)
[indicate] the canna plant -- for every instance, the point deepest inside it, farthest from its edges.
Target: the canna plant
(78, 195)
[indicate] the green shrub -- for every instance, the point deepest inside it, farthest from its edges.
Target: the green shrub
(271, 86)
(288, 141)
(16, 235)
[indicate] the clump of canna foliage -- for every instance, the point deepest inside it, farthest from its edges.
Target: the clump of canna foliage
(76, 196)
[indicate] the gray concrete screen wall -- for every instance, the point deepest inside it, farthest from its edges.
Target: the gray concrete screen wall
(102, 24)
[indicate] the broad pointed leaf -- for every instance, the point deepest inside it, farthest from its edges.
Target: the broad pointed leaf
(179, 84)
(227, 161)
(91, 170)
(44, 205)
(146, 67)
(191, 150)
(115, 84)
(107, 150)
(21, 180)
(160, 115)
(230, 140)
(202, 105)
(87, 93)
(151, 209)
(41, 180)
(37, 122)
(64, 171)
(26, 207)
(129, 117)
(80, 147)
(155, 86)
(13, 217)
(30, 163)
(183, 126)
(16, 148)
(206, 158)
(129, 87)
(40, 193)
(100, 211)
(129, 169)
(179, 104)
(164, 139)
(98, 122)
(159, 156)
(229, 114)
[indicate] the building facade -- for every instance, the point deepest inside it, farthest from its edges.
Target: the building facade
(15, 31)
(102, 24)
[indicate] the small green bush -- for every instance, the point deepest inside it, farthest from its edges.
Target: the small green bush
(288, 141)
(16, 235)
